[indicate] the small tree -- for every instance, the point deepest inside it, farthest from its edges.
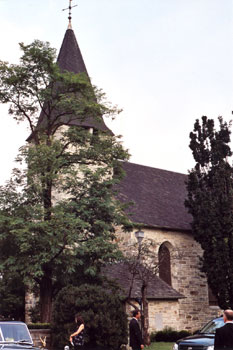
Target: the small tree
(102, 310)
(61, 207)
(144, 266)
(210, 201)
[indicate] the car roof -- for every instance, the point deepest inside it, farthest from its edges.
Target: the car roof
(18, 322)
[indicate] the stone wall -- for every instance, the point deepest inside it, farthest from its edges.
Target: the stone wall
(193, 311)
(164, 314)
(189, 313)
(41, 337)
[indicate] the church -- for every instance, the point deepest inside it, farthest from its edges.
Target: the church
(179, 296)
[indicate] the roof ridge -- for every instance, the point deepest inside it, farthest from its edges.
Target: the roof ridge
(151, 167)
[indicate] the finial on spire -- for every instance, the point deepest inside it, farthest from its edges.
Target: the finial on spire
(69, 18)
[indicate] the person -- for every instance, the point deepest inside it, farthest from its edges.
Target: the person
(77, 338)
(224, 335)
(135, 336)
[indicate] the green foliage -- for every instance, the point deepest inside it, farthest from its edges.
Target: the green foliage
(12, 293)
(39, 325)
(102, 311)
(59, 213)
(210, 201)
(34, 312)
(168, 334)
(183, 334)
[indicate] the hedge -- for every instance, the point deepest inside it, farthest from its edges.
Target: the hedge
(168, 335)
(38, 325)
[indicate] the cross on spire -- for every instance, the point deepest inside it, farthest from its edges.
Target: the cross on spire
(69, 18)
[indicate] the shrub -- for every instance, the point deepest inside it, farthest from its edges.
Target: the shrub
(152, 337)
(12, 301)
(183, 334)
(39, 325)
(102, 311)
(168, 335)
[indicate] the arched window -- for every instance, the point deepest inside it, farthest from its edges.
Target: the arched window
(165, 264)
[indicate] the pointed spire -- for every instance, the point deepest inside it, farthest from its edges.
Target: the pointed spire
(70, 17)
(70, 57)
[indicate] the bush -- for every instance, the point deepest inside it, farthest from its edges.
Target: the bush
(39, 325)
(102, 311)
(168, 335)
(184, 334)
(12, 301)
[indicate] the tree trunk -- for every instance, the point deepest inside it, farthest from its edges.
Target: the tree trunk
(46, 288)
(145, 318)
(46, 298)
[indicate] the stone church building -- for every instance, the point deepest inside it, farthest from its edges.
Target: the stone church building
(179, 296)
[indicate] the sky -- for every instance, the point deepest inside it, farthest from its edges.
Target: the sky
(164, 62)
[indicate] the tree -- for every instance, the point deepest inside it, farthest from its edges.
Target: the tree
(12, 293)
(143, 265)
(60, 206)
(103, 312)
(210, 201)
(12, 289)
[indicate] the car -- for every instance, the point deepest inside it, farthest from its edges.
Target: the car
(201, 340)
(14, 335)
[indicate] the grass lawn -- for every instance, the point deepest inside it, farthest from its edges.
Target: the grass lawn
(160, 346)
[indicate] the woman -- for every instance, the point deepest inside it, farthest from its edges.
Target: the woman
(77, 338)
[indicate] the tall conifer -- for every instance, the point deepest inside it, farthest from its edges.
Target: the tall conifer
(210, 201)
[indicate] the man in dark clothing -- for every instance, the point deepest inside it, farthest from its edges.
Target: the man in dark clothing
(135, 336)
(224, 335)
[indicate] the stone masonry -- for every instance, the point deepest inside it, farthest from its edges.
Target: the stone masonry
(193, 311)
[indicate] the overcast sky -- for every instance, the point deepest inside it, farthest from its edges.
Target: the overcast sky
(165, 62)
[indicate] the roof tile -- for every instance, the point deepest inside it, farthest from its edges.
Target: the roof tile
(157, 289)
(158, 196)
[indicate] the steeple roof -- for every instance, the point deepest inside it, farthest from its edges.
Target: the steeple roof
(70, 59)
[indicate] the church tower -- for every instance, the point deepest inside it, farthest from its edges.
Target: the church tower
(70, 59)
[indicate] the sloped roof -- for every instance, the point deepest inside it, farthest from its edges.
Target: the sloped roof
(157, 289)
(70, 59)
(158, 196)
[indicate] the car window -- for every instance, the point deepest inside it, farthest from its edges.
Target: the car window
(212, 326)
(13, 332)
